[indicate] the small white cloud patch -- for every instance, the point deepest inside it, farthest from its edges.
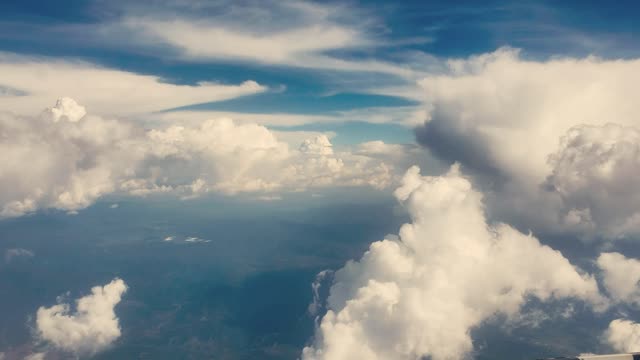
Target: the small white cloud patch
(91, 328)
(10, 254)
(66, 109)
(620, 276)
(194, 240)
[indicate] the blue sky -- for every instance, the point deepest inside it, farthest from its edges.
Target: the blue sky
(319, 180)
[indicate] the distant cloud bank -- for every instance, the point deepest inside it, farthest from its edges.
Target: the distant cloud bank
(66, 159)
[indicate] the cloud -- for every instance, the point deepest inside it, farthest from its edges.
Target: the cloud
(269, 198)
(109, 92)
(420, 294)
(293, 33)
(503, 117)
(317, 145)
(75, 158)
(209, 40)
(275, 119)
(91, 328)
(378, 147)
(338, 44)
(35, 356)
(193, 239)
(66, 109)
(620, 277)
(316, 304)
(623, 335)
(595, 171)
(61, 160)
(232, 158)
(10, 254)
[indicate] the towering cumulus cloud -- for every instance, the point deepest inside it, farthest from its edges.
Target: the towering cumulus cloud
(555, 142)
(63, 158)
(92, 327)
(420, 294)
(66, 159)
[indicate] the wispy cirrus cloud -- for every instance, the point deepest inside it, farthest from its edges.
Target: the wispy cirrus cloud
(291, 34)
(336, 45)
(40, 80)
(302, 34)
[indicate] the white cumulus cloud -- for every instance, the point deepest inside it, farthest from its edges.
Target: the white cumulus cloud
(35, 356)
(623, 335)
(620, 276)
(319, 145)
(420, 294)
(62, 159)
(91, 327)
(595, 171)
(554, 141)
(66, 159)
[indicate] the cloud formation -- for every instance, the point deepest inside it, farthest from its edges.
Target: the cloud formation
(595, 171)
(623, 335)
(109, 92)
(620, 277)
(35, 356)
(293, 33)
(11, 254)
(554, 142)
(421, 293)
(91, 328)
(75, 158)
(61, 159)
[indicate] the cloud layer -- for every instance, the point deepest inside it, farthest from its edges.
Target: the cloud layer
(293, 33)
(91, 328)
(421, 293)
(74, 158)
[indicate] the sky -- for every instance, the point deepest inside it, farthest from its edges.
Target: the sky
(319, 180)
